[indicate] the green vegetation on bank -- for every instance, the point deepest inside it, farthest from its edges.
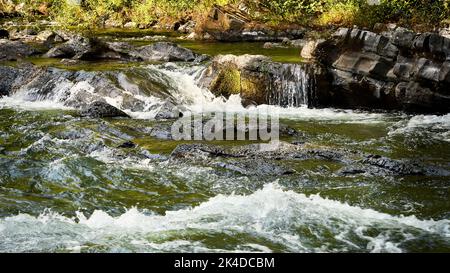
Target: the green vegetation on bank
(90, 13)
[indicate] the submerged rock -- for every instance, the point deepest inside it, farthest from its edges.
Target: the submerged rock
(169, 111)
(100, 109)
(396, 166)
(258, 159)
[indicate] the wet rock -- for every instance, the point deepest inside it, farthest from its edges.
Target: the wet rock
(216, 156)
(13, 78)
(270, 159)
(161, 131)
(99, 109)
(396, 166)
(351, 170)
(169, 111)
(127, 145)
(13, 50)
(165, 51)
(416, 97)
(201, 58)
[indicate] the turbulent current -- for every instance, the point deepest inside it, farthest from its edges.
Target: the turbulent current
(67, 184)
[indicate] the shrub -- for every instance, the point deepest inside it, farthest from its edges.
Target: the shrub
(412, 11)
(323, 12)
(344, 13)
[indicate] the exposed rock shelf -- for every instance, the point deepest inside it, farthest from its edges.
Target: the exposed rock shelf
(393, 70)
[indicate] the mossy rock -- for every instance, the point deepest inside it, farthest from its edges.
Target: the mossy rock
(227, 82)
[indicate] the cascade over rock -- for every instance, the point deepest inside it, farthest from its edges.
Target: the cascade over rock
(403, 70)
(258, 79)
(134, 89)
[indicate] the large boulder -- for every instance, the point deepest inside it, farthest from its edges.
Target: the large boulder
(13, 50)
(403, 70)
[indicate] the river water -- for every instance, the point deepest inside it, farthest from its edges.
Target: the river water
(66, 186)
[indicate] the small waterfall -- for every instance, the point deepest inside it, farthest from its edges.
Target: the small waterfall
(141, 91)
(291, 85)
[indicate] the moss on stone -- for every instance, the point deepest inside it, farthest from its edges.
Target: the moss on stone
(253, 89)
(227, 82)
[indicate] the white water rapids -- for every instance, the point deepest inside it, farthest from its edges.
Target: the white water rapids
(271, 214)
(269, 219)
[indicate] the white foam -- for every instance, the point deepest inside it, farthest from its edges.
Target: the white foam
(18, 102)
(271, 214)
(437, 125)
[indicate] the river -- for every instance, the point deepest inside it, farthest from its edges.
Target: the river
(66, 185)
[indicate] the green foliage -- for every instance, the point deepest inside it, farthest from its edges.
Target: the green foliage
(90, 13)
(345, 13)
(411, 11)
(285, 10)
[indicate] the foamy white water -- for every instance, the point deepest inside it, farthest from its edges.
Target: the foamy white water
(18, 102)
(270, 214)
(438, 124)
